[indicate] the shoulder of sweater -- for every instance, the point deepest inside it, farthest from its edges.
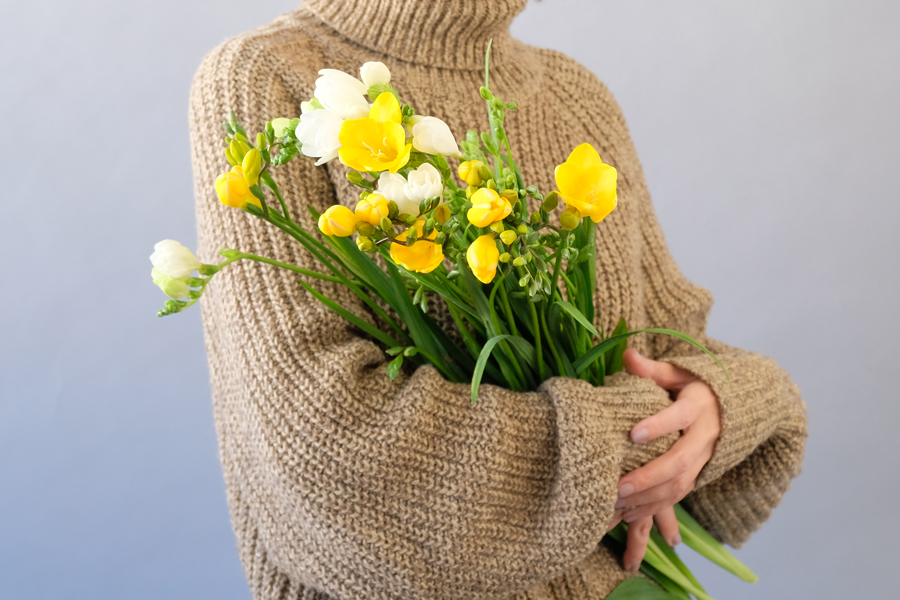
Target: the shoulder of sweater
(264, 51)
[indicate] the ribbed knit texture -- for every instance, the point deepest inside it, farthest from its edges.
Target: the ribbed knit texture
(343, 485)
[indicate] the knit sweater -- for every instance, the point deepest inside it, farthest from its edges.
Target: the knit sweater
(344, 485)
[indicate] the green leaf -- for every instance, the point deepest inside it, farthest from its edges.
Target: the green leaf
(482, 361)
(613, 359)
(578, 316)
(594, 353)
(349, 316)
(638, 588)
(706, 545)
(670, 554)
(393, 368)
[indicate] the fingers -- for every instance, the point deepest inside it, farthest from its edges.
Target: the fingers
(665, 375)
(616, 519)
(638, 535)
(678, 416)
(667, 523)
(686, 456)
(673, 490)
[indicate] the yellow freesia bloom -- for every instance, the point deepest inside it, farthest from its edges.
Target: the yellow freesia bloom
(372, 209)
(470, 172)
(587, 184)
(377, 142)
(338, 220)
(423, 256)
(483, 257)
(488, 207)
(232, 189)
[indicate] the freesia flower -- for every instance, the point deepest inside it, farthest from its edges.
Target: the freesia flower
(586, 184)
(342, 94)
(483, 257)
(423, 256)
(233, 190)
(433, 136)
(318, 132)
(174, 260)
(423, 183)
(279, 125)
(378, 142)
(338, 220)
(470, 172)
(488, 207)
(374, 73)
(173, 287)
(393, 187)
(251, 166)
(372, 209)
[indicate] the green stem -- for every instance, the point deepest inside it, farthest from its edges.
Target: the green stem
(560, 368)
(294, 268)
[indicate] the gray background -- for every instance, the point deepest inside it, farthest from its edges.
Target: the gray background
(769, 133)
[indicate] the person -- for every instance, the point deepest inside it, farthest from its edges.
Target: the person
(342, 484)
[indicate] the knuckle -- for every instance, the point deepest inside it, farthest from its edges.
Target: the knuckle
(681, 462)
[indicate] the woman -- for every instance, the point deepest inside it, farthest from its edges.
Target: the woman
(345, 485)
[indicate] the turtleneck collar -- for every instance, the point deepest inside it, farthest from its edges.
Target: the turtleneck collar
(441, 33)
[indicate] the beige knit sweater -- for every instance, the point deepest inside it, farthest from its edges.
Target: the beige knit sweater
(343, 485)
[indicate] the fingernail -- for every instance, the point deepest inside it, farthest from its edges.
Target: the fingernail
(621, 502)
(630, 518)
(640, 435)
(633, 568)
(626, 490)
(676, 540)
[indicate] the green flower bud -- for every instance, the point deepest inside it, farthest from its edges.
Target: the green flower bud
(519, 261)
(411, 236)
(355, 178)
(491, 184)
(524, 281)
(551, 201)
(439, 238)
(569, 219)
(486, 93)
(365, 228)
(497, 227)
(484, 172)
(505, 257)
(393, 209)
(387, 226)
(230, 158)
(261, 142)
(512, 106)
(522, 229)
(535, 218)
(364, 243)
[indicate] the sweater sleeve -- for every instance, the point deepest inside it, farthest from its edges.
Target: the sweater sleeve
(342, 481)
(764, 425)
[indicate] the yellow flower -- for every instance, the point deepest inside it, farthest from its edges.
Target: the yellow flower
(470, 172)
(232, 189)
(423, 256)
(372, 209)
(377, 142)
(251, 166)
(488, 207)
(483, 257)
(587, 184)
(338, 220)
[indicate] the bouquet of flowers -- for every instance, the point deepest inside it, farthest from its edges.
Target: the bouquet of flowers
(518, 286)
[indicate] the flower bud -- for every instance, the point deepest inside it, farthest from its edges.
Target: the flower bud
(497, 227)
(364, 243)
(232, 189)
(519, 261)
(374, 73)
(522, 229)
(505, 257)
(230, 158)
(173, 287)
(551, 201)
(442, 214)
(511, 195)
(525, 280)
(470, 172)
(279, 125)
(355, 177)
(386, 225)
(261, 142)
(251, 166)
(535, 218)
(174, 260)
(338, 220)
(393, 209)
(366, 228)
(482, 257)
(470, 190)
(485, 172)
(491, 184)
(508, 237)
(485, 93)
(372, 208)
(569, 219)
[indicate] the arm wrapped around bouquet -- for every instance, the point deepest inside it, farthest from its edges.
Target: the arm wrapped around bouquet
(519, 288)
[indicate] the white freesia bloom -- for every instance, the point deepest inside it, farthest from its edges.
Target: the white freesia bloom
(424, 182)
(342, 93)
(393, 187)
(374, 73)
(173, 259)
(279, 125)
(174, 288)
(318, 133)
(433, 136)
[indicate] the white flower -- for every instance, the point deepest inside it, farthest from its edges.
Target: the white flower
(393, 187)
(425, 182)
(279, 125)
(173, 259)
(319, 131)
(174, 288)
(433, 136)
(374, 73)
(341, 93)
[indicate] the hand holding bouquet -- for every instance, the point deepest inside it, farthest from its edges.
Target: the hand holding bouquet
(518, 284)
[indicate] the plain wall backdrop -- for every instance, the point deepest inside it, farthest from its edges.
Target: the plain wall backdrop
(770, 136)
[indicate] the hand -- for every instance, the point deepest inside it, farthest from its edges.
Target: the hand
(649, 493)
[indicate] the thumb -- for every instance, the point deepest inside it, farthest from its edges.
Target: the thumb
(665, 375)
